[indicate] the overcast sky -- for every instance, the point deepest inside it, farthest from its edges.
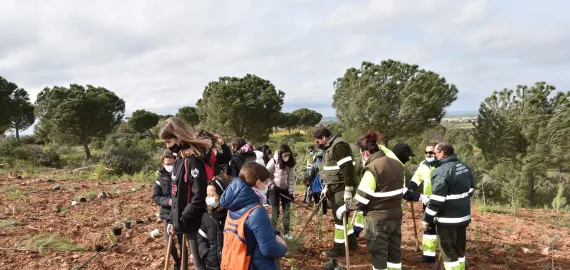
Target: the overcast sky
(159, 55)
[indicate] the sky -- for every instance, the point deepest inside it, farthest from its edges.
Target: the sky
(159, 56)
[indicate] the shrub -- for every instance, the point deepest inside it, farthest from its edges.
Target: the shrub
(129, 156)
(50, 158)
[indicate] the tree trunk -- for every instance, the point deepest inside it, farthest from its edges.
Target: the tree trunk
(87, 151)
(152, 136)
(17, 134)
(531, 180)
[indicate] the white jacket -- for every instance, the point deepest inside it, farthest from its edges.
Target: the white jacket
(283, 179)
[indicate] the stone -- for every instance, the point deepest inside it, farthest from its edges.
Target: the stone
(56, 187)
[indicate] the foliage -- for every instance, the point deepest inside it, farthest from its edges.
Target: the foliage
(288, 121)
(142, 121)
(129, 156)
(77, 114)
(525, 127)
(11, 150)
(21, 111)
(395, 98)
(559, 201)
(307, 118)
(6, 90)
(48, 242)
(189, 115)
(244, 107)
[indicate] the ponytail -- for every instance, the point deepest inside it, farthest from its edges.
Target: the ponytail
(370, 141)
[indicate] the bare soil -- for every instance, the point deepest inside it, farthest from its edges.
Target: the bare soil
(532, 239)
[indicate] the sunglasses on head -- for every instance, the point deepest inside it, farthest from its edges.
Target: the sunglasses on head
(430, 153)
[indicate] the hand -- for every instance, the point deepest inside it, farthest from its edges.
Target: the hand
(424, 199)
(347, 196)
(219, 137)
(170, 202)
(170, 230)
(340, 211)
(280, 240)
(427, 226)
(324, 191)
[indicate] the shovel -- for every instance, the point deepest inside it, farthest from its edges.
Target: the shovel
(168, 250)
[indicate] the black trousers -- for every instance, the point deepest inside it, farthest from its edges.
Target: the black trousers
(452, 241)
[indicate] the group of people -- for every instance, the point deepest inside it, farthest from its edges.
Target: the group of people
(375, 191)
(215, 196)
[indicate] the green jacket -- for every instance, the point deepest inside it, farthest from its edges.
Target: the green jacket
(452, 187)
(338, 167)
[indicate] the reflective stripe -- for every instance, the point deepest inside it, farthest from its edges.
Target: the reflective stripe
(451, 264)
(381, 194)
(430, 212)
(394, 265)
(438, 198)
(405, 190)
(361, 199)
(461, 260)
(457, 196)
(430, 236)
(344, 160)
(158, 183)
(331, 168)
(354, 163)
(451, 220)
(309, 166)
(417, 182)
(470, 190)
(429, 254)
(348, 188)
(202, 233)
(374, 268)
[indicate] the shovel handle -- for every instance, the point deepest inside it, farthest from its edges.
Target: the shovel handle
(168, 250)
(346, 249)
(184, 252)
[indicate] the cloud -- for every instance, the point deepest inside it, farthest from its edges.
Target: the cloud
(159, 56)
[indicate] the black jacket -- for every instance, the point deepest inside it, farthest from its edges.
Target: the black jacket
(238, 159)
(161, 191)
(211, 238)
(188, 197)
(222, 159)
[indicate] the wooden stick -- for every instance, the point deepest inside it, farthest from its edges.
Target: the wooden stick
(184, 253)
(346, 250)
(168, 250)
(297, 203)
(19, 249)
(415, 228)
(312, 214)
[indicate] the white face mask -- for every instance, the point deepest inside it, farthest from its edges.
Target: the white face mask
(430, 159)
(211, 202)
(285, 159)
(169, 168)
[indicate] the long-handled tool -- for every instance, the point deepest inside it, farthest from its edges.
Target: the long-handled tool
(168, 250)
(184, 252)
(345, 221)
(297, 203)
(415, 228)
(304, 228)
(95, 255)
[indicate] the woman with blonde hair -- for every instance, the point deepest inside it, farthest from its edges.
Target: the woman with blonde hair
(189, 182)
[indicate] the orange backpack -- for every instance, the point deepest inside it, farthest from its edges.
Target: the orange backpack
(234, 253)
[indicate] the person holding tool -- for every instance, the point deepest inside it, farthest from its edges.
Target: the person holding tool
(309, 160)
(423, 176)
(339, 178)
(281, 186)
(379, 196)
(315, 176)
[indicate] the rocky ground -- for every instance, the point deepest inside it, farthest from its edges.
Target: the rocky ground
(34, 213)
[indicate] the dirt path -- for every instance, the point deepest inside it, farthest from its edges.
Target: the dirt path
(496, 241)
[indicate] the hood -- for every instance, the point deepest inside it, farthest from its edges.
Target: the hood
(259, 157)
(238, 195)
(245, 155)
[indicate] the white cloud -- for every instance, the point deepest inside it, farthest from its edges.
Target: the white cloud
(159, 56)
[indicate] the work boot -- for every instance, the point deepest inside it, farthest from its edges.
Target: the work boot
(428, 259)
(336, 251)
(352, 243)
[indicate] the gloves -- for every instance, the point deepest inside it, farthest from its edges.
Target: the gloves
(427, 225)
(340, 211)
(347, 196)
(424, 199)
(170, 202)
(324, 191)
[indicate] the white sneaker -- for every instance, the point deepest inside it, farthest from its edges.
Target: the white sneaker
(288, 237)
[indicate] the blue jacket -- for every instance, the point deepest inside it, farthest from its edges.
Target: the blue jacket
(238, 198)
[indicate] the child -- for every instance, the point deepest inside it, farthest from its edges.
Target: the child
(316, 181)
(263, 245)
(161, 190)
(210, 235)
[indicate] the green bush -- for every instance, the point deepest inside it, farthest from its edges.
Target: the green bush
(50, 158)
(130, 156)
(12, 151)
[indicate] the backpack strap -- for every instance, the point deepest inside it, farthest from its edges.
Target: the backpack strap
(186, 172)
(237, 226)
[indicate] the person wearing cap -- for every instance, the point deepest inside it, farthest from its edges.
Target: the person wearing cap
(316, 178)
(403, 152)
(423, 175)
(309, 160)
(449, 206)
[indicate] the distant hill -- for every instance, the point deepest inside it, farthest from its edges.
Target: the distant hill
(462, 113)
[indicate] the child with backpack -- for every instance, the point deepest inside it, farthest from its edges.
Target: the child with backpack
(315, 177)
(210, 234)
(249, 239)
